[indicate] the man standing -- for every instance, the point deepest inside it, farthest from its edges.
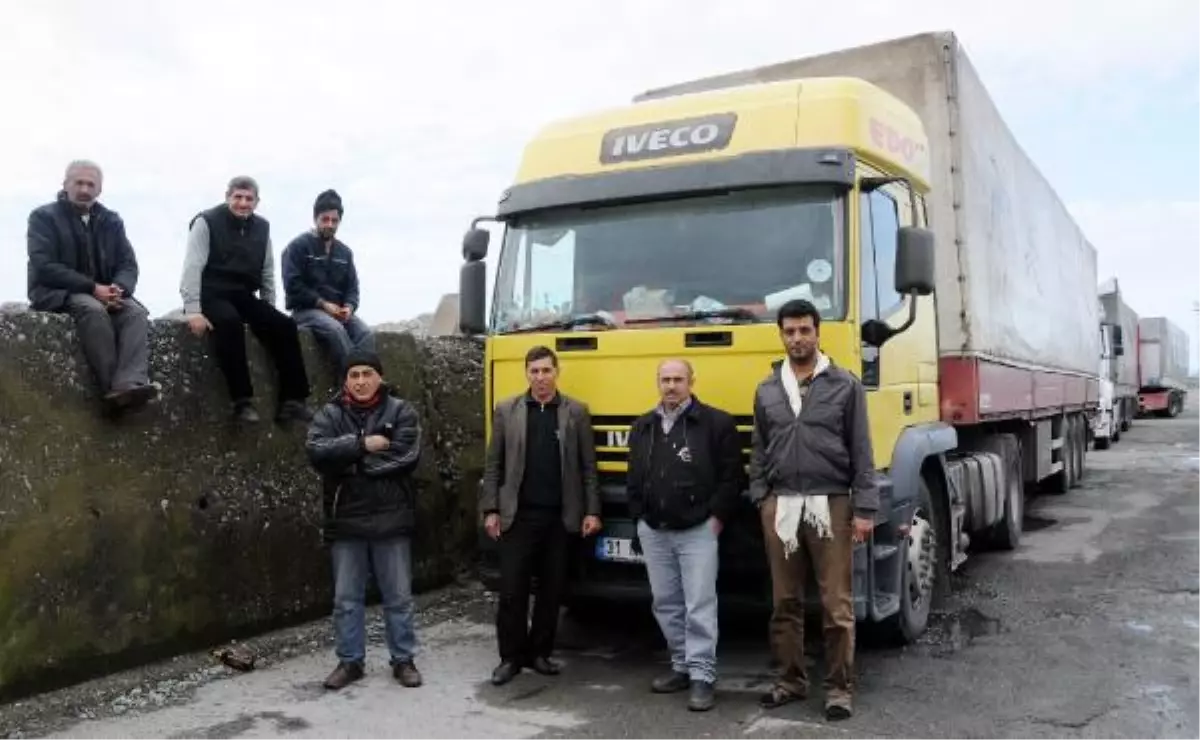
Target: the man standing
(539, 490)
(81, 263)
(321, 284)
(228, 281)
(366, 444)
(812, 475)
(684, 469)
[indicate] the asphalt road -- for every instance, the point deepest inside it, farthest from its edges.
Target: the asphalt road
(1088, 630)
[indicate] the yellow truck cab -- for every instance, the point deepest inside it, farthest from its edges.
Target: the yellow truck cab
(676, 228)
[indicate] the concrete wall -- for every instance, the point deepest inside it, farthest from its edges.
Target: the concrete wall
(172, 529)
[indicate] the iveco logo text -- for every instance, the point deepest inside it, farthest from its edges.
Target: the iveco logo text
(617, 439)
(668, 138)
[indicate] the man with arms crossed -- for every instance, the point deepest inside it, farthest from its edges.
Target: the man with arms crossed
(539, 492)
(812, 475)
(684, 470)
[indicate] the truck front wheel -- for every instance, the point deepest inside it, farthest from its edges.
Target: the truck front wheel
(922, 552)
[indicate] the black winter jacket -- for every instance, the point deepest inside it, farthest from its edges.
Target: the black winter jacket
(60, 262)
(707, 485)
(310, 275)
(367, 495)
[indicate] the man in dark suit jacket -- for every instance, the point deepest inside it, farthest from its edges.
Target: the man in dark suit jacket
(81, 263)
(540, 489)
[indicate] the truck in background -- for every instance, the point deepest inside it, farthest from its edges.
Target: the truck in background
(879, 182)
(1118, 403)
(1162, 367)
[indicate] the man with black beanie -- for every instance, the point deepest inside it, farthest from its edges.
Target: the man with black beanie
(366, 443)
(321, 284)
(229, 281)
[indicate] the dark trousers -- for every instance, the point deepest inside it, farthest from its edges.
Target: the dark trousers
(114, 342)
(536, 543)
(228, 312)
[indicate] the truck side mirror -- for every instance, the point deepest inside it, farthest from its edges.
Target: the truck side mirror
(1118, 340)
(914, 261)
(472, 289)
(475, 244)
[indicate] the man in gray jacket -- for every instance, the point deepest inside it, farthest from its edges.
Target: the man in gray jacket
(812, 475)
(540, 491)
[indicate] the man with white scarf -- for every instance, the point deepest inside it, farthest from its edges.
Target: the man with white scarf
(812, 475)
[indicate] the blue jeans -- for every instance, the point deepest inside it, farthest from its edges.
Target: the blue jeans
(682, 568)
(337, 338)
(352, 562)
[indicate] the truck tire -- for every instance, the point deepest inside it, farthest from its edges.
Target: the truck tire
(1102, 443)
(1080, 449)
(920, 571)
(1064, 480)
(1006, 533)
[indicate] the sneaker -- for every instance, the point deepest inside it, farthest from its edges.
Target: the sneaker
(702, 696)
(837, 711)
(407, 674)
(344, 675)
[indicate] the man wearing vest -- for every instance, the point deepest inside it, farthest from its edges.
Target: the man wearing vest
(81, 263)
(320, 283)
(812, 475)
(229, 281)
(685, 466)
(540, 490)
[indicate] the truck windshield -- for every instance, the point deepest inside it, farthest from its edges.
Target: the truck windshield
(721, 258)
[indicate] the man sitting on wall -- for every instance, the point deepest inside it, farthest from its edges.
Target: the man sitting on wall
(321, 284)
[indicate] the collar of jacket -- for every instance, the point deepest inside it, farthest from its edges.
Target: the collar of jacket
(824, 363)
(385, 390)
(692, 412)
(95, 210)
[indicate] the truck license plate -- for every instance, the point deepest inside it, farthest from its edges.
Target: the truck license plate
(617, 549)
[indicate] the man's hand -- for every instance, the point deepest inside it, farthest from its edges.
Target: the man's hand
(106, 294)
(491, 524)
(591, 525)
(343, 313)
(863, 528)
(328, 307)
(716, 526)
(198, 324)
(376, 443)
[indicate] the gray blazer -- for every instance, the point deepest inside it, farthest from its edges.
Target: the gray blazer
(505, 465)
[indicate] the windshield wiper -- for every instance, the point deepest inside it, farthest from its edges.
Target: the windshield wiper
(732, 312)
(571, 323)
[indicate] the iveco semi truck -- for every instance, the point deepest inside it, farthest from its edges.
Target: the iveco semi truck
(881, 184)
(1118, 404)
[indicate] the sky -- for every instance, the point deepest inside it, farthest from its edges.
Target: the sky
(416, 113)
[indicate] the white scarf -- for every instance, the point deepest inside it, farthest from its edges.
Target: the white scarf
(795, 507)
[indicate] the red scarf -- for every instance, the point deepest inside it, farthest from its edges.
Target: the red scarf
(367, 405)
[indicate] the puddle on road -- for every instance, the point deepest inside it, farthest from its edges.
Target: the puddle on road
(949, 633)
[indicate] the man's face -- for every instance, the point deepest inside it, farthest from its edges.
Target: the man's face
(242, 202)
(327, 224)
(800, 338)
(542, 376)
(674, 383)
(83, 187)
(363, 382)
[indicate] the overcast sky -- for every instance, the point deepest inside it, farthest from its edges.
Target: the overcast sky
(416, 113)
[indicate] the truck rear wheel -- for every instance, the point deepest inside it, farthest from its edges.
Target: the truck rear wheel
(920, 571)
(1064, 479)
(1006, 533)
(1079, 452)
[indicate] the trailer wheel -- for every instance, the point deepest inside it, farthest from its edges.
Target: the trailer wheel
(1064, 479)
(1079, 453)
(1006, 533)
(919, 572)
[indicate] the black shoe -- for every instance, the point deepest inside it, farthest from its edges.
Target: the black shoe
(777, 697)
(545, 666)
(702, 697)
(837, 712)
(244, 411)
(133, 397)
(344, 675)
(505, 672)
(293, 411)
(407, 674)
(671, 684)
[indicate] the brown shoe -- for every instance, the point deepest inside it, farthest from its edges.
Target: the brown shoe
(407, 674)
(778, 696)
(344, 675)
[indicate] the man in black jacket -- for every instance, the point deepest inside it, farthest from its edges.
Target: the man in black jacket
(320, 282)
(81, 263)
(366, 443)
(229, 280)
(684, 474)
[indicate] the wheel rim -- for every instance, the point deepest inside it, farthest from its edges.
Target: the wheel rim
(922, 541)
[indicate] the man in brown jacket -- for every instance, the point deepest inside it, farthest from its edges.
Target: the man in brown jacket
(539, 491)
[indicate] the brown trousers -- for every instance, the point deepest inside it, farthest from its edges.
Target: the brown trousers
(832, 561)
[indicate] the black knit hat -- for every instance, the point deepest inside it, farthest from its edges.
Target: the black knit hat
(328, 201)
(359, 357)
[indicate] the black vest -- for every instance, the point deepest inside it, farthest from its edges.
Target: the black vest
(237, 249)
